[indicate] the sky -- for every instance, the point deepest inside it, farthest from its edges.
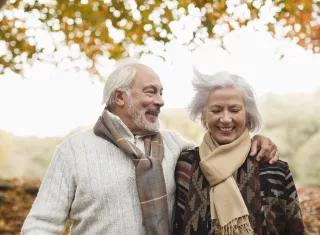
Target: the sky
(51, 101)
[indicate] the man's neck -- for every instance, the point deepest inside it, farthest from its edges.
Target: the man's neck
(133, 128)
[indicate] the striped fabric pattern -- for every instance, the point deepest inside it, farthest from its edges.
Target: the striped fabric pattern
(280, 208)
(192, 196)
(268, 191)
(149, 174)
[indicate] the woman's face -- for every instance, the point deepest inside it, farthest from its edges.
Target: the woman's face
(225, 114)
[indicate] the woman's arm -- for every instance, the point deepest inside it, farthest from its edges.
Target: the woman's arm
(294, 223)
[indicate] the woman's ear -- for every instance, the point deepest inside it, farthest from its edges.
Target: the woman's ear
(248, 120)
(203, 119)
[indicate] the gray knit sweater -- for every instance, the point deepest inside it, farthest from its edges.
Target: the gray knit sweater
(92, 182)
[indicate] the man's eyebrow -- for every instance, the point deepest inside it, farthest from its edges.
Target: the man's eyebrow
(152, 87)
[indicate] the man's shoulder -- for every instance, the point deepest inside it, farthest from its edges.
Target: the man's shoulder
(82, 135)
(173, 137)
(171, 134)
(79, 137)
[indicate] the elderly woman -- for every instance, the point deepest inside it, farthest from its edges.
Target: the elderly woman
(220, 188)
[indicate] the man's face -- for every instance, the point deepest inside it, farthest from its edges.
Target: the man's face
(144, 101)
(225, 115)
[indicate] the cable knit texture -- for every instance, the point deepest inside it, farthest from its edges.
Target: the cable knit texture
(93, 183)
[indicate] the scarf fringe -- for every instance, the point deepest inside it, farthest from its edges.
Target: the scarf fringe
(238, 226)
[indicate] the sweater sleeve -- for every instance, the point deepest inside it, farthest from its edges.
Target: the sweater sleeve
(294, 223)
(51, 208)
(182, 143)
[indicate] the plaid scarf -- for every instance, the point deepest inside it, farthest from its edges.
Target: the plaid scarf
(149, 174)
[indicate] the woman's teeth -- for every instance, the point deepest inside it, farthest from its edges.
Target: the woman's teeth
(226, 129)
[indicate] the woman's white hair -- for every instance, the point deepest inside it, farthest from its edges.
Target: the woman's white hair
(204, 84)
(121, 79)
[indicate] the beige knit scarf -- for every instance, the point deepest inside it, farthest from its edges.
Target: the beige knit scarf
(229, 213)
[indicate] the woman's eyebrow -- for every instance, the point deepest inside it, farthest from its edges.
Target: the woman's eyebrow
(214, 106)
(235, 106)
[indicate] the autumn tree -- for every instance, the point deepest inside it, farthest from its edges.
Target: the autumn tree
(36, 30)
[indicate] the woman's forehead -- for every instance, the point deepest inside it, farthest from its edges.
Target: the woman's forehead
(225, 94)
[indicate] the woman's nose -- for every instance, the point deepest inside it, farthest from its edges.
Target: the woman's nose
(226, 117)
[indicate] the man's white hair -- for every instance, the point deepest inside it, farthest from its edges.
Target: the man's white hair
(121, 78)
(204, 84)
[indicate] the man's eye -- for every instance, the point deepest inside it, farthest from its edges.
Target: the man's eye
(235, 110)
(215, 111)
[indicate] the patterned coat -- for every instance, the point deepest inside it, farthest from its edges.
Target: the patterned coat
(268, 191)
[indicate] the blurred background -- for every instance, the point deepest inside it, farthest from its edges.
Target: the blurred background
(56, 54)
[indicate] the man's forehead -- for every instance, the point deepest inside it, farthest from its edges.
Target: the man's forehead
(144, 69)
(146, 76)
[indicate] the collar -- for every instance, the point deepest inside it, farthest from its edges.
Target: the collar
(123, 129)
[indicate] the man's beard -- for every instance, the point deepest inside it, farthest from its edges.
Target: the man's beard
(138, 117)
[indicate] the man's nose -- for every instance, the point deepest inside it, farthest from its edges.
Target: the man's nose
(159, 100)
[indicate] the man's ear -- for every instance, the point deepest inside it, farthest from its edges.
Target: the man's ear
(119, 97)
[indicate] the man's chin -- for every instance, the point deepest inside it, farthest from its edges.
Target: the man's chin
(147, 126)
(153, 126)
(151, 118)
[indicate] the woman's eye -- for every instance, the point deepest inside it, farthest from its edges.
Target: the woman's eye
(235, 110)
(215, 111)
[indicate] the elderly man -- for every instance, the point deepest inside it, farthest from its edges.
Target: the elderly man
(117, 178)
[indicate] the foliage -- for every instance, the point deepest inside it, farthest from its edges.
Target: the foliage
(37, 154)
(182, 124)
(16, 198)
(5, 151)
(292, 122)
(2, 2)
(307, 160)
(26, 156)
(115, 29)
(310, 205)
